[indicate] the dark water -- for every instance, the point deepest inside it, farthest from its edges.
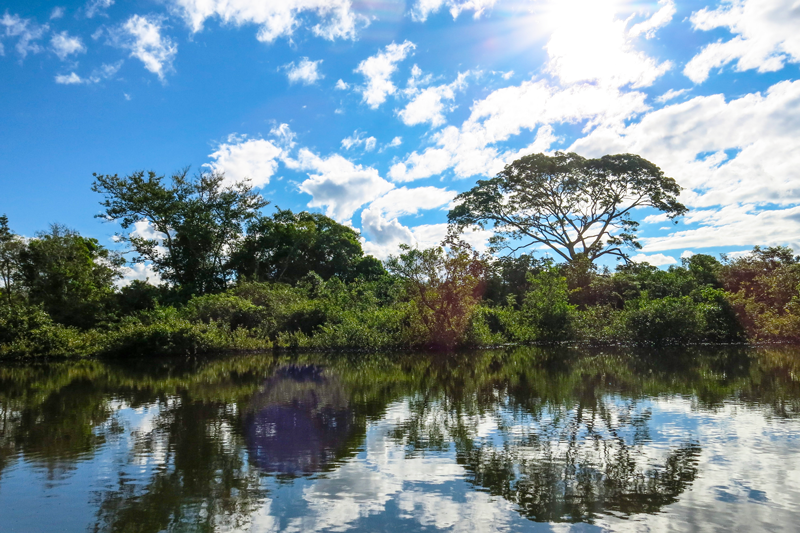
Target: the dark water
(519, 440)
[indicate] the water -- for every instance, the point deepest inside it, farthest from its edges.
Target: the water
(520, 440)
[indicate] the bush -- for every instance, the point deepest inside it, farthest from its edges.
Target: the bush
(546, 309)
(27, 330)
(664, 321)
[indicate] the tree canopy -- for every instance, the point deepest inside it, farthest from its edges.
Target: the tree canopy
(196, 222)
(286, 246)
(580, 208)
(72, 277)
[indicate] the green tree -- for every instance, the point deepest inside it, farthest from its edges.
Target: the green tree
(71, 276)
(445, 287)
(579, 208)
(286, 246)
(10, 247)
(197, 222)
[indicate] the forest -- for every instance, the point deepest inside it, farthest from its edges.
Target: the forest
(237, 276)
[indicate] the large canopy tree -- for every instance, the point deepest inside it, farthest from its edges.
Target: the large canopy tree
(197, 221)
(580, 208)
(286, 246)
(72, 277)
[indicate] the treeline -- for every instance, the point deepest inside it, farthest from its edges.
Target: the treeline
(62, 301)
(236, 278)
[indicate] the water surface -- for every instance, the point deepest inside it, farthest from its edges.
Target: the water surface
(519, 440)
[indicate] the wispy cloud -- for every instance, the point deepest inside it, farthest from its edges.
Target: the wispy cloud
(26, 31)
(142, 37)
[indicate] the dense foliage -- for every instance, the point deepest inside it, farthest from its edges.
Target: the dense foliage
(235, 278)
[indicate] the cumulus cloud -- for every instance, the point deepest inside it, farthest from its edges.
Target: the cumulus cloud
(142, 37)
(276, 19)
(241, 158)
(97, 7)
(427, 105)
(654, 259)
(765, 36)
(64, 45)
(69, 79)
(341, 85)
(337, 184)
(423, 8)
(56, 13)
(590, 44)
(735, 225)
(724, 152)
(741, 154)
(139, 272)
(26, 31)
(305, 71)
(378, 70)
(472, 149)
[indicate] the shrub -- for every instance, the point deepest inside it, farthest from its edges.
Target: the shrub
(664, 321)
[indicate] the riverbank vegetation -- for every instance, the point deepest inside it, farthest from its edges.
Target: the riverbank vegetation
(234, 277)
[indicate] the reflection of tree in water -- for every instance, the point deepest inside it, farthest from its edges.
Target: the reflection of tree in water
(558, 442)
(200, 478)
(575, 467)
(300, 422)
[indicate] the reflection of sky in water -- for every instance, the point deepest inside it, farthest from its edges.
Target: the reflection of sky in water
(749, 475)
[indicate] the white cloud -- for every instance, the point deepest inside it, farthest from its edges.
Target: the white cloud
(670, 95)
(470, 150)
(26, 31)
(359, 139)
(56, 13)
(423, 8)
(654, 259)
(140, 272)
(305, 71)
(142, 36)
(385, 233)
(689, 141)
(341, 85)
(275, 18)
(765, 32)
(741, 154)
(104, 72)
(337, 184)
(736, 225)
(591, 44)
(241, 158)
(97, 7)
(64, 45)
(427, 104)
(69, 79)
(687, 254)
(378, 70)
(661, 18)
(396, 141)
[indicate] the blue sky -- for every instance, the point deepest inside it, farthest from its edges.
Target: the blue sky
(377, 112)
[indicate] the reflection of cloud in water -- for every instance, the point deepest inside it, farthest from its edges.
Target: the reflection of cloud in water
(299, 422)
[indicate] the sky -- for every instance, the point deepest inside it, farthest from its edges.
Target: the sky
(378, 113)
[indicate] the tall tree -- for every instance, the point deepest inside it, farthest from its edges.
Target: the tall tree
(195, 223)
(71, 276)
(10, 247)
(286, 246)
(579, 208)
